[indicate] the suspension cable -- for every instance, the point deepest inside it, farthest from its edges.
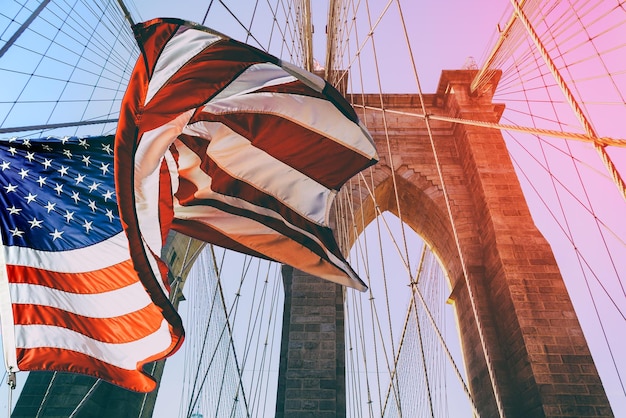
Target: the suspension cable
(230, 331)
(504, 35)
(499, 126)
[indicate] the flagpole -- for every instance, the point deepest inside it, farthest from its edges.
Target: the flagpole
(12, 382)
(7, 324)
(126, 13)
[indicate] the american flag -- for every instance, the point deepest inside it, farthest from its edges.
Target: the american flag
(230, 145)
(70, 298)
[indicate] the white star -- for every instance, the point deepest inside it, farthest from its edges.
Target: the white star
(35, 223)
(13, 210)
(42, 181)
(50, 206)
(93, 187)
(108, 195)
(30, 198)
(80, 178)
(12, 150)
(67, 153)
(30, 156)
(26, 142)
(109, 215)
(87, 226)
(107, 148)
(92, 205)
(68, 216)
(16, 232)
(58, 188)
(83, 143)
(12, 139)
(75, 197)
(5, 165)
(56, 234)
(46, 147)
(105, 168)
(10, 188)
(87, 160)
(23, 173)
(46, 163)
(62, 170)
(65, 139)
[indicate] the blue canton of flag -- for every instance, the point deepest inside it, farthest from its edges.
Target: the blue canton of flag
(58, 193)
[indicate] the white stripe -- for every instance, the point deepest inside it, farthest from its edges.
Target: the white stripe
(124, 355)
(80, 260)
(109, 304)
(153, 145)
(255, 77)
(183, 46)
(318, 115)
(151, 150)
(314, 81)
(6, 315)
(237, 156)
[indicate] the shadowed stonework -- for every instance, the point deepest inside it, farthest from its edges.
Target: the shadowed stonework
(311, 379)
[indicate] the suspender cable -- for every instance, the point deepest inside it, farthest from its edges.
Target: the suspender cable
(600, 148)
(472, 296)
(23, 27)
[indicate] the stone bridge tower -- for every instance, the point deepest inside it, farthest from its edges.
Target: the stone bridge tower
(538, 356)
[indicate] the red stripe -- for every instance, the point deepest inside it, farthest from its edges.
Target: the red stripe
(55, 359)
(152, 36)
(198, 80)
(316, 156)
(323, 233)
(166, 210)
(103, 280)
(209, 234)
(121, 329)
